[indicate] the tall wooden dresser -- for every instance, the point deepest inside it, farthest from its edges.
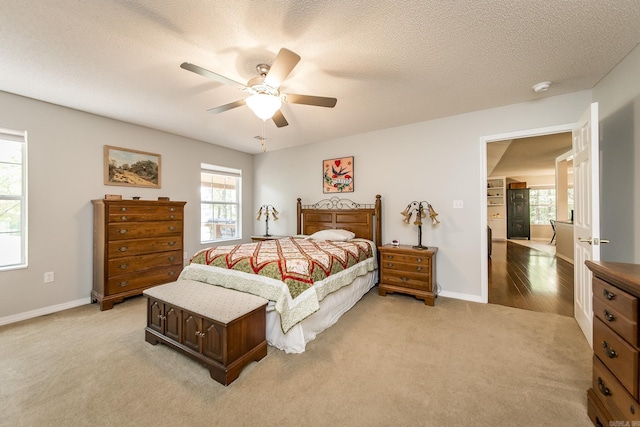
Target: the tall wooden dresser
(614, 398)
(137, 244)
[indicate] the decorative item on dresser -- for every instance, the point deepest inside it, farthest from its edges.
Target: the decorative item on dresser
(614, 398)
(137, 244)
(419, 209)
(267, 211)
(408, 270)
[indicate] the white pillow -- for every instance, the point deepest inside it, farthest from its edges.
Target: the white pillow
(336, 235)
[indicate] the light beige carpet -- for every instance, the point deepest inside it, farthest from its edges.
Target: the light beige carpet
(390, 361)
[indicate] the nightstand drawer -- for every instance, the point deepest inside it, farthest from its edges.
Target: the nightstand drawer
(405, 259)
(424, 268)
(413, 281)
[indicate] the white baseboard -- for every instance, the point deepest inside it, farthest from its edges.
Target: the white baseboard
(457, 295)
(42, 311)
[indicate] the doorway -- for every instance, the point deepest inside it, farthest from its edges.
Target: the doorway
(519, 261)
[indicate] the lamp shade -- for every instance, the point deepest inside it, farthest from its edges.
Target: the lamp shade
(264, 105)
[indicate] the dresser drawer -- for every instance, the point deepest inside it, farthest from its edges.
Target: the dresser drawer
(612, 394)
(127, 248)
(617, 299)
(119, 266)
(127, 282)
(143, 212)
(136, 230)
(627, 329)
(617, 355)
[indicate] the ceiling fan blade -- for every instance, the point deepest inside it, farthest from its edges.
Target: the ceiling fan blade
(283, 64)
(211, 75)
(318, 101)
(226, 107)
(279, 120)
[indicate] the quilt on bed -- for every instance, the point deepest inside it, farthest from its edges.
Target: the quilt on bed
(294, 273)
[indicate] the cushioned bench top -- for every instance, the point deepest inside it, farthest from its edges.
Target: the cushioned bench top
(215, 302)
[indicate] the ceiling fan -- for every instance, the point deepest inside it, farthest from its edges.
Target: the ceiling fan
(265, 99)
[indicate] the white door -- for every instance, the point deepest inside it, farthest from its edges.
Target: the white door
(586, 215)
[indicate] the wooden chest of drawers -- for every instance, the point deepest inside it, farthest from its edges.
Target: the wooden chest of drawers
(615, 394)
(137, 244)
(409, 271)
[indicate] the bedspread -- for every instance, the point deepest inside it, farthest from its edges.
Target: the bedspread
(295, 273)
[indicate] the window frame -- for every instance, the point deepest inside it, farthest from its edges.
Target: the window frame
(224, 172)
(20, 137)
(553, 204)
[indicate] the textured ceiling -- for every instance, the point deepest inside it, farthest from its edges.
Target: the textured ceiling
(532, 156)
(389, 63)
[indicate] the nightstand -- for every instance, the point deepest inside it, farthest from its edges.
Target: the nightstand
(263, 238)
(407, 270)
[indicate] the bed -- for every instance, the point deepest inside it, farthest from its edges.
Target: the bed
(310, 281)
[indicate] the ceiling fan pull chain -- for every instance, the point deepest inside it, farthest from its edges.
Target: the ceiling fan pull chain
(264, 136)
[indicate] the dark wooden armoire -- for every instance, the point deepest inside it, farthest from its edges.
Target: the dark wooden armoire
(518, 214)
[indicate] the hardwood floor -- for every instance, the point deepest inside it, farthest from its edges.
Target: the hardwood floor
(530, 279)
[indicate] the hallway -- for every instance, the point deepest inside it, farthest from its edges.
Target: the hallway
(530, 279)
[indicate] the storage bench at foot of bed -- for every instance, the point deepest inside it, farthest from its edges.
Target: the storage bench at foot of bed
(221, 328)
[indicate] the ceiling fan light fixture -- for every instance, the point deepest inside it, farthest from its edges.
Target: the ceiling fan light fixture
(264, 105)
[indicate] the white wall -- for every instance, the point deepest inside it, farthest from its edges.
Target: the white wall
(65, 171)
(439, 161)
(618, 96)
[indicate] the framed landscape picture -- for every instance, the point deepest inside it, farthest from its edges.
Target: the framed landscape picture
(338, 175)
(132, 168)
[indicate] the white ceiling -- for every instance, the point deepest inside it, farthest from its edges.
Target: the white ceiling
(388, 62)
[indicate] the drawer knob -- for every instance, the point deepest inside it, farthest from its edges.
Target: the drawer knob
(123, 209)
(609, 316)
(123, 231)
(172, 228)
(123, 248)
(390, 256)
(172, 209)
(608, 295)
(171, 243)
(389, 264)
(123, 266)
(610, 352)
(172, 273)
(171, 258)
(404, 279)
(603, 388)
(419, 260)
(171, 216)
(419, 268)
(123, 284)
(123, 218)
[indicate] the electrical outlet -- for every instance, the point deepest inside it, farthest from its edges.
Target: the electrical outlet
(458, 204)
(48, 277)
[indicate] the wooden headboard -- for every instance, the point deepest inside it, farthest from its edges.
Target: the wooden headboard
(365, 220)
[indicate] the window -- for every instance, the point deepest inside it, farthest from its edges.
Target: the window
(219, 203)
(542, 205)
(13, 199)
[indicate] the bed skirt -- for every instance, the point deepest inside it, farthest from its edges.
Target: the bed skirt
(332, 307)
